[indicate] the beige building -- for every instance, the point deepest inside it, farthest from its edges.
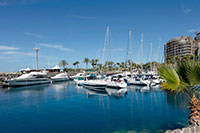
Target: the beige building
(197, 41)
(179, 47)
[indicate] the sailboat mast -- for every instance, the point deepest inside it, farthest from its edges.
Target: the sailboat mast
(159, 52)
(142, 51)
(107, 43)
(130, 50)
(107, 46)
(151, 56)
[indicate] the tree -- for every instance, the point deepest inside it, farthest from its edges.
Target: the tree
(86, 61)
(94, 63)
(185, 78)
(122, 64)
(63, 63)
(74, 64)
(100, 66)
(77, 63)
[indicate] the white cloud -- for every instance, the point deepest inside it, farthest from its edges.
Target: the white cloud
(58, 47)
(8, 48)
(186, 10)
(83, 17)
(18, 53)
(4, 3)
(192, 30)
(33, 34)
(117, 50)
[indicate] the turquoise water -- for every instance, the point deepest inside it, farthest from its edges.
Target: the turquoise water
(65, 108)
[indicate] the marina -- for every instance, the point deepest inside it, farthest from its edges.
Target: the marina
(109, 66)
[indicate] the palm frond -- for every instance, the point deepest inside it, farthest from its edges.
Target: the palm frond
(173, 82)
(193, 74)
(182, 69)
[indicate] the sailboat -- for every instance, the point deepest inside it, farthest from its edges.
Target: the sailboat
(137, 80)
(99, 84)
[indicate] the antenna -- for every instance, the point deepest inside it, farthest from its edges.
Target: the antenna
(36, 55)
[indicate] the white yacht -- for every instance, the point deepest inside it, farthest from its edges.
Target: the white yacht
(95, 84)
(116, 84)
(138, 81)
(78, 75)
(32, 78)
(60, 77)
(79, 81)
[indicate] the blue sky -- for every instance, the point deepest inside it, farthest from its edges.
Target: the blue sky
(75, 29)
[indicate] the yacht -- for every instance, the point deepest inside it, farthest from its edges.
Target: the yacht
(33, 78)
(78, 75)
(95, 84)
(79, 81)
(60, 77)
(138, 81)
(116, 82)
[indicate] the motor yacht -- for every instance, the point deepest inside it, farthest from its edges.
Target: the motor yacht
(60, 77)
(95, 84)
(33, 78)
(116, 82)
(138, 81)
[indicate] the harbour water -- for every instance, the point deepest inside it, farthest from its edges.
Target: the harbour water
(66, 108)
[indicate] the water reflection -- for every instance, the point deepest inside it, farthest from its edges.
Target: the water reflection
(116, 93)
(92, 92)
(67, 106)
(26, 88)
(177, 100)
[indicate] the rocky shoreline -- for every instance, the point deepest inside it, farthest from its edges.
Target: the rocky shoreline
(189, 129)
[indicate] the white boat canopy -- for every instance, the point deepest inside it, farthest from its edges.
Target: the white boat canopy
(56, 67)
(27, 69)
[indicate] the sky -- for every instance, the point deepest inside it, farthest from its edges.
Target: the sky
(75, 29)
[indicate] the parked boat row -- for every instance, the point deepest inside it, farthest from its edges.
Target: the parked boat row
(118, 81)
(35, 78)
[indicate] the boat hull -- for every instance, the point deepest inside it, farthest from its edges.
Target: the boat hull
(60, 79)
(27, 82)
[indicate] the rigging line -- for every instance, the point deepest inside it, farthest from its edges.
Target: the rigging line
(104, 51)
(127, 54)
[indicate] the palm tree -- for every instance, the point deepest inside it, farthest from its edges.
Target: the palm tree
(96, 61)
(86, 61)
(110, 63)
(77, 63)
(122, 64)
(63, 63)
(74, 64)
(93, 63)
(185, 78)
(100, 66)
